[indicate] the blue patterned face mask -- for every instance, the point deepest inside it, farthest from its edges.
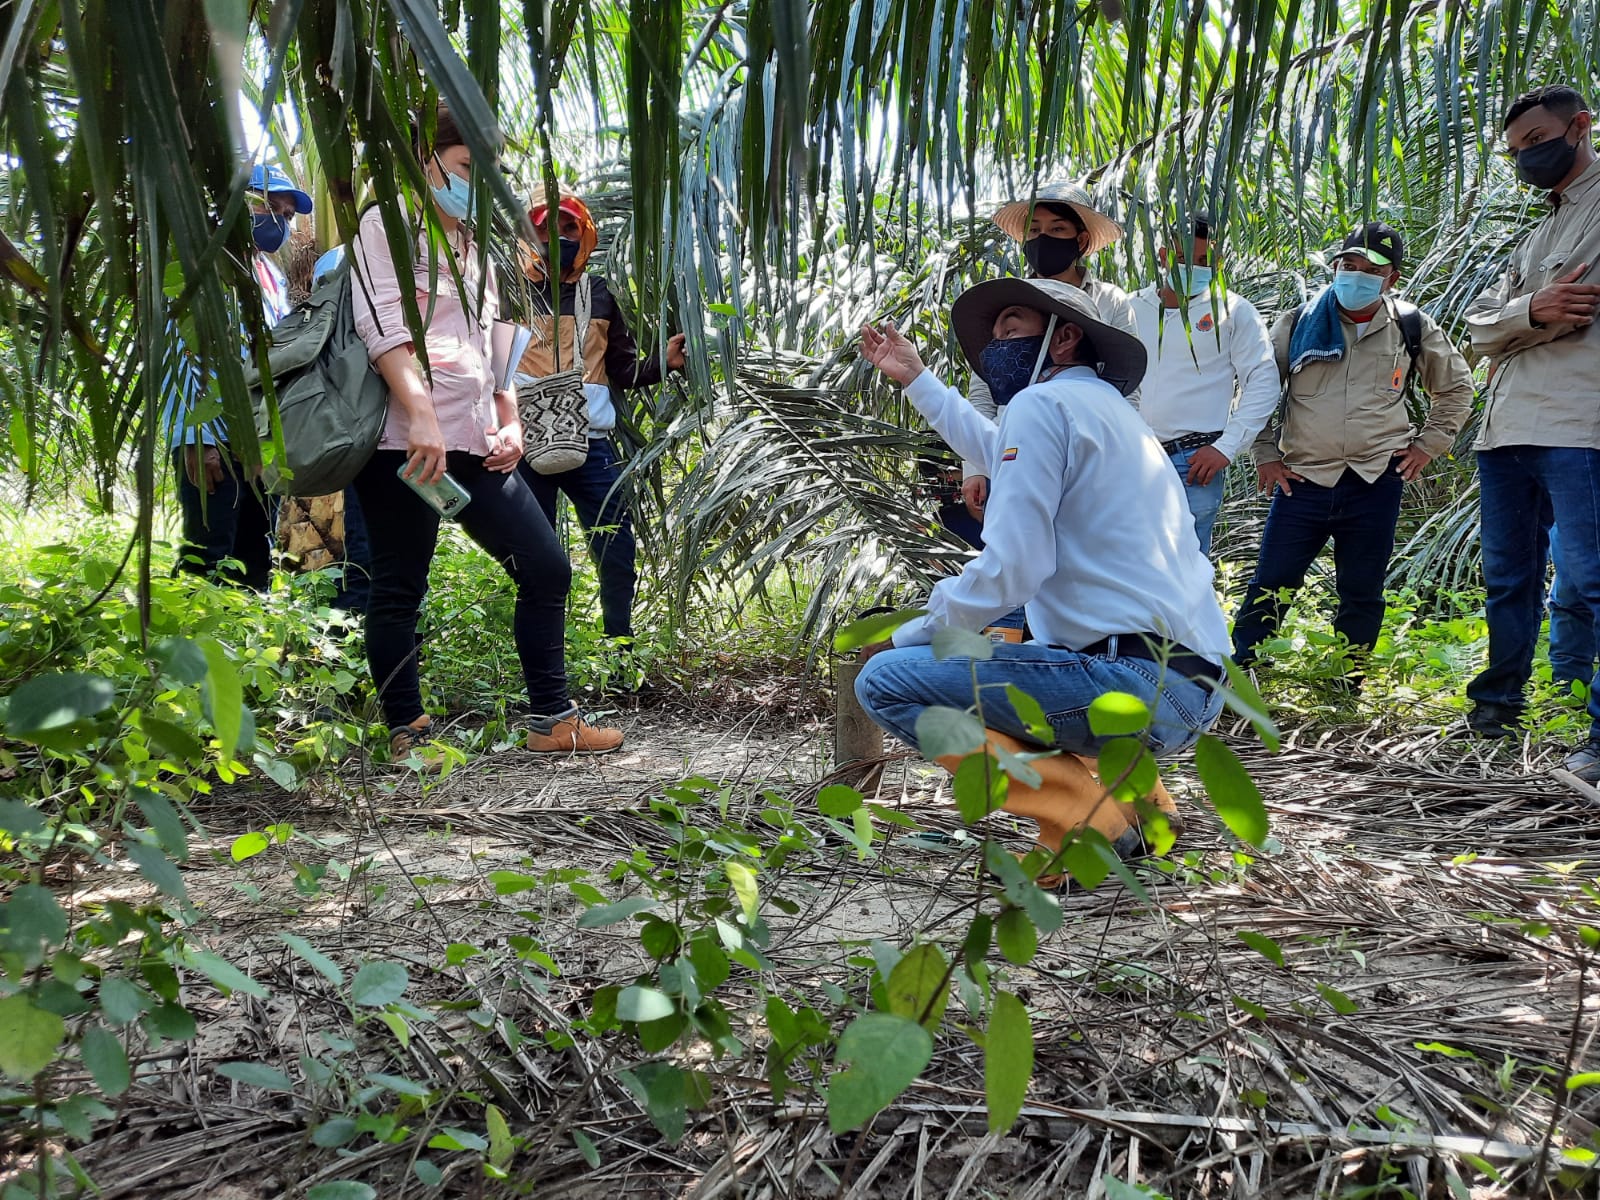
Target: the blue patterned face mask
(1007, 365)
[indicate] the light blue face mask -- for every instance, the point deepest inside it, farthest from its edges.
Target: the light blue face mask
(455, 197)
(1357, 291)
(1191, 281)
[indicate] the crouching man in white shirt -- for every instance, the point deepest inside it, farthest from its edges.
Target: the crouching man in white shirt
(1088, 527)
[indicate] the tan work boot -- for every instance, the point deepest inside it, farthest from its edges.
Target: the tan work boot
(1071, 797)
(573, 735)
(406, 739)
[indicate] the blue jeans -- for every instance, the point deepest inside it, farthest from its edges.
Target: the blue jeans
(1205, 499)
(602, 509)
(1360, 517)
(1520, 489)
(896, 685)
(234, 522)
(1572, 629)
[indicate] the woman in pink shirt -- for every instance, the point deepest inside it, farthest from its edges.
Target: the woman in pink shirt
(451, 418)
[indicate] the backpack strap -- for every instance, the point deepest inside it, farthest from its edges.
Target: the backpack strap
(583, 309)
(1410, 318)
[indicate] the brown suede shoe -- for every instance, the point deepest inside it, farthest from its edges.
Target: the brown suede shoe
(574, 735)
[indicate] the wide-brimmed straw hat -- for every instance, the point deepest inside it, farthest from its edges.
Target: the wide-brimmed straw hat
(1016, 218)
(1121, 356)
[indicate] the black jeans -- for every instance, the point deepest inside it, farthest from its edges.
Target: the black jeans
(1360, 517)
(504, 519)
(233, 522)
(602, 509)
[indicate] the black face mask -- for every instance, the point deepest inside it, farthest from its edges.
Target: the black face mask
(569, 254)
(1547, 164)
(1051, 256)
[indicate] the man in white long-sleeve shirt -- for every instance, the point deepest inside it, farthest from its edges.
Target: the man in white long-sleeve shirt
(1210, 387)
(1086, 526)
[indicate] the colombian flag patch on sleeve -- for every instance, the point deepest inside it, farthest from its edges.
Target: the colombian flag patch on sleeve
(1009, 455)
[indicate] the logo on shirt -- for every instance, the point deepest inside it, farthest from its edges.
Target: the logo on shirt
(1009, 455)
(1399, 380)
(1205, 324)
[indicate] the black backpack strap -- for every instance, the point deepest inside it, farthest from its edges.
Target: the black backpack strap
(1410, 318)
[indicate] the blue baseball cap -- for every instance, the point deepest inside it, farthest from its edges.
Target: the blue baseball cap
(269, 177)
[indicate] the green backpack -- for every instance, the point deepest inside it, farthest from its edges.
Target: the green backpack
(331, 400)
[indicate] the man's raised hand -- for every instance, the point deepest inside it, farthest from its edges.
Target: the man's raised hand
(885, 348)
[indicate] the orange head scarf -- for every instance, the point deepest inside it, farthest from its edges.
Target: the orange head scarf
(533, 263)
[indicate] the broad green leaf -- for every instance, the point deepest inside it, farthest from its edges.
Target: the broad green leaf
(945, 731)
(975, 946)
(248, 845)
(337, 1131)
(455, 1138)
(1128, 759)
(18, 819)
(34, 922)
(1007, 1061)
(1262, 945)
(165, 821)
(171, 1021)
(155, 866)
(1087, 860)
(508, 883)
(256, 1075)
(1242, 696)
(979, 787)
(586, 1147)
(1032, 714)
(660, 1086)
(501, 1146)
(1340, 1003)
(743, 881)
(1115, 714)
(28, 1037)
(710, 961)
(1234, 794)
(871, 630)
(49, 703)
(885, 1054)
(644, 1004)
(181, 659)
(919, 985)
(324, 965)
(341, 1189)
(427, 1172)
(224, 696)
(961, 643)
(172, 740)
(121, 1001)
(602, 915)
(107, 1061)
(836, 800)
(378, 983)
(1017, 938)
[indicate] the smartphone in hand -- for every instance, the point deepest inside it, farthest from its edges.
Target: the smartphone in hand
(447, 497)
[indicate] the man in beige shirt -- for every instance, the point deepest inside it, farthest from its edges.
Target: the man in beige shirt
(1539, 447)
(1348, 445)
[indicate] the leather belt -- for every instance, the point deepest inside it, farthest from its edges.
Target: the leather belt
(1147, 646)
(1190, 441)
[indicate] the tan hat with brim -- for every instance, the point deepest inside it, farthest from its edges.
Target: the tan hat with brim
(1122, 356)
(1016, 218)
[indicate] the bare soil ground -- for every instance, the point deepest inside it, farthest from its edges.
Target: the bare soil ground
(1416, 1035)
